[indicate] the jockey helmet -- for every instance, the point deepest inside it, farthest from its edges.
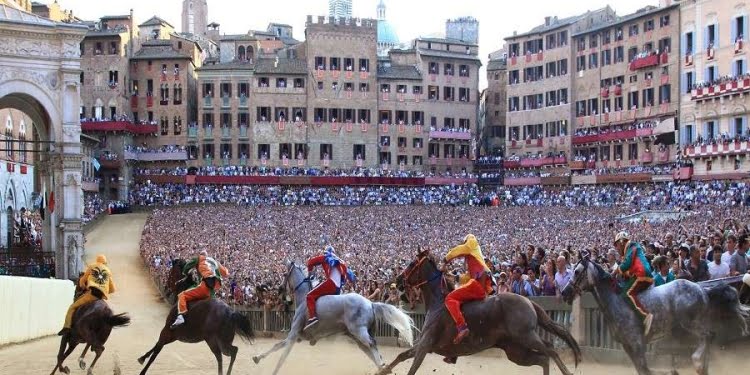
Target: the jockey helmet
(329, 249)
(204, 253)
(101, 259)
(621, 236)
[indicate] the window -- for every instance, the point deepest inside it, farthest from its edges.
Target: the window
(665, 45)
(618, 34)
(385, 141)
(688, 137)
(463, 71)
(738, 29)
(633, 100)
(689, 81)
(433, 93)
(580, 63)
(417, 117)
(177, 125)
(281, 83)
(664, 20)
(208, 90)
(81, 78)
(633, 31)
(550, 41)
(364, 65)
(606, 37)
(513, 77)
(739, 67)
(417, 90)
(593, 41)
(648, 97)
(326, 151)
(632, 53)
(448, 69)
(737, 126)
(606, 57)
(593, 61)
(164, 126)
(581, 44)
(648, 25)
(433, 68)
(449, 123)
(562, 39)
(359, 152)
(711, 73)
(348, 64)
(335, 63)
(320, 63)
(619, 54)
(665, 94)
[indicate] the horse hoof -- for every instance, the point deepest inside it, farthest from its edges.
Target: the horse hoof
(65, 370)
(82, 364)
(256, 359)
(313, 342)
(141, 360)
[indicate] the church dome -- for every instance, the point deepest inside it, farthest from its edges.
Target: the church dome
(386, 33)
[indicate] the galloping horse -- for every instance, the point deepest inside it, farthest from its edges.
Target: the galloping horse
(209, 320)
(350, 314)
(506, 321)
(92, 324)
(679, 307)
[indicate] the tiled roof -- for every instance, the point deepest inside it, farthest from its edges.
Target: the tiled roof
(234, 65)
(447, 41)
(158, 51)
(649, 10)
(155, 21)
(449, 55)
(498, 64)
(11, 14)
(555, 24)
(407, 72)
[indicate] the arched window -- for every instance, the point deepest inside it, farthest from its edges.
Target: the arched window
(241, 53)
(250, 53)
(9, 123)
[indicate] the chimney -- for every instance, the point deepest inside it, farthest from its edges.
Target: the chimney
(130, 34)
(546, 20)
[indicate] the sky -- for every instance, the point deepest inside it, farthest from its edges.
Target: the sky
(411, 18)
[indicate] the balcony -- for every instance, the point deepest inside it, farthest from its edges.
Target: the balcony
(117, 126)
(110, 164)
(156, 156)
(208, 102)
(450, 162)
(226, 132)
(243, 132)
(90, 186)
(208, 133)
(192, 132)
(208, 161)
(535, 162)
(134, 102)
(149, 101)
(605, 92)
(522, 181)
(225, 101)
(618, 90)
(719, 149)
(726, 88)
(649, 61)
(243, 101)
(438, 134)
(612, 136)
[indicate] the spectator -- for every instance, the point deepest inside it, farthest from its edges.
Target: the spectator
(662, 273)
(718, 269)
(738, 263)
(697, 267)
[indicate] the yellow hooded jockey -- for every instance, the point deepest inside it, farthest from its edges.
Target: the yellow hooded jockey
(98, 284)
(476, 288)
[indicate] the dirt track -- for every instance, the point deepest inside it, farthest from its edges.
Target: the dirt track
(118, 238)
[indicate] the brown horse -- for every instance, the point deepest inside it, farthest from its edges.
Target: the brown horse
(209, 320)
(506, 321)
(92, 324)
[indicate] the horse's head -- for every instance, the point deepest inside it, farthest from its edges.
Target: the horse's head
(294, 279)
(586, 274)
(176, 283)
(419, 272)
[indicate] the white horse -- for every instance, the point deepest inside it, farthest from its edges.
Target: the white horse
(349, 314)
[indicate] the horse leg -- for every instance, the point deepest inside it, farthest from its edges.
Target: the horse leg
(232, 356)
(282, 359)
(61, 356)
(637, 356)
(527, 358)
(165, 337)
(533, 342)
(368, 345)
(289, 340)
(700, 356)
(81, 363)
(98, 350)
(217, 353)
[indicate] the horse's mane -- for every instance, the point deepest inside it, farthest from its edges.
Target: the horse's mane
(602, 274)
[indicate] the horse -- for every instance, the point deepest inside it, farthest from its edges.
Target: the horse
(506, 321)
(92, 324)
(349, 314)
(174, 280)
(208, 320)
(680, 307)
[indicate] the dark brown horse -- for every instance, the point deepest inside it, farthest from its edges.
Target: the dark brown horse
(506, 321)
(92, 324)
(209, 320)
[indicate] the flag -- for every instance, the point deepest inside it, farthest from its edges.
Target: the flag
(41, 206)
(96, 164)
(52, 202)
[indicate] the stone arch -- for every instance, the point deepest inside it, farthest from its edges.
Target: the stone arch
(250, 52)
(241, 53)
(39, 76)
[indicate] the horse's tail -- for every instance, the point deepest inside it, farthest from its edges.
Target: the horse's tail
(118, 320)
(396, 318)
(242, 326)
(725, 305)
(558, 330)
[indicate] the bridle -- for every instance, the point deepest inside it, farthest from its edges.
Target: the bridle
(289, 270)
(585, 263)
(415, 266)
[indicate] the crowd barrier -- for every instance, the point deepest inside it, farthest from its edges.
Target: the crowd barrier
(31, 308)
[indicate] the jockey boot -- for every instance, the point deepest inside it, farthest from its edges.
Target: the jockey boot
(463, 331)
(180, 320)
(310, 322)
(647, 324)
(64, 332)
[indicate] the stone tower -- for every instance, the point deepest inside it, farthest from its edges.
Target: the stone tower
(195, 17)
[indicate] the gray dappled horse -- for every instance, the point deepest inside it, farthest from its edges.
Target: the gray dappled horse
(349, 314)
(680, 308)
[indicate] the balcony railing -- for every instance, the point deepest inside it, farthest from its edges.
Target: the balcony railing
(226, 132)
(649, 61)
(243, 132)
(720, 89)
(192, 132)
(208, 132)
(243, 101)
(156, 156)
(225, 101)
(208, 102)
(612, 136)
(719, 149)
(535, 162)
(115, 126)
(450, 135)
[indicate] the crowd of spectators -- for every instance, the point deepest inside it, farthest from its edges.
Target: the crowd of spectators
(93, 206)
(640, 124)
(295, 171)
(119, 118)
(529, 248)
(727, 79)
(164, 148)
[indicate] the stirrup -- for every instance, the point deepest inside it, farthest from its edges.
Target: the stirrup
(310, 322)
(647, 324)
(461, 335)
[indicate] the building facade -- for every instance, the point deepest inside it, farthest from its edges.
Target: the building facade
(496, 104)
(713, 92)
(626, 90)
(464, 28)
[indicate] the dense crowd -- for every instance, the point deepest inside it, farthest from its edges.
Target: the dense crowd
(235, 170)
(530, 241)
(93, 206)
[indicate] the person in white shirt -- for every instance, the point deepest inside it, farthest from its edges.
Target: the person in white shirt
(731, 248)
(718, 269)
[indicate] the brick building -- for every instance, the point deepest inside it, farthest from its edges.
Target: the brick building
(714, 100)
(496, 103)
(626, 90)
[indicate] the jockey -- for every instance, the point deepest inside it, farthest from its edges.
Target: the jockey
(97, 283)
(636, 271)
(478, 286)
(336, 275)
(211, 273)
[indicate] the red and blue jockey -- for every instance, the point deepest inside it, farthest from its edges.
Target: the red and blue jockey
(336, 275)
